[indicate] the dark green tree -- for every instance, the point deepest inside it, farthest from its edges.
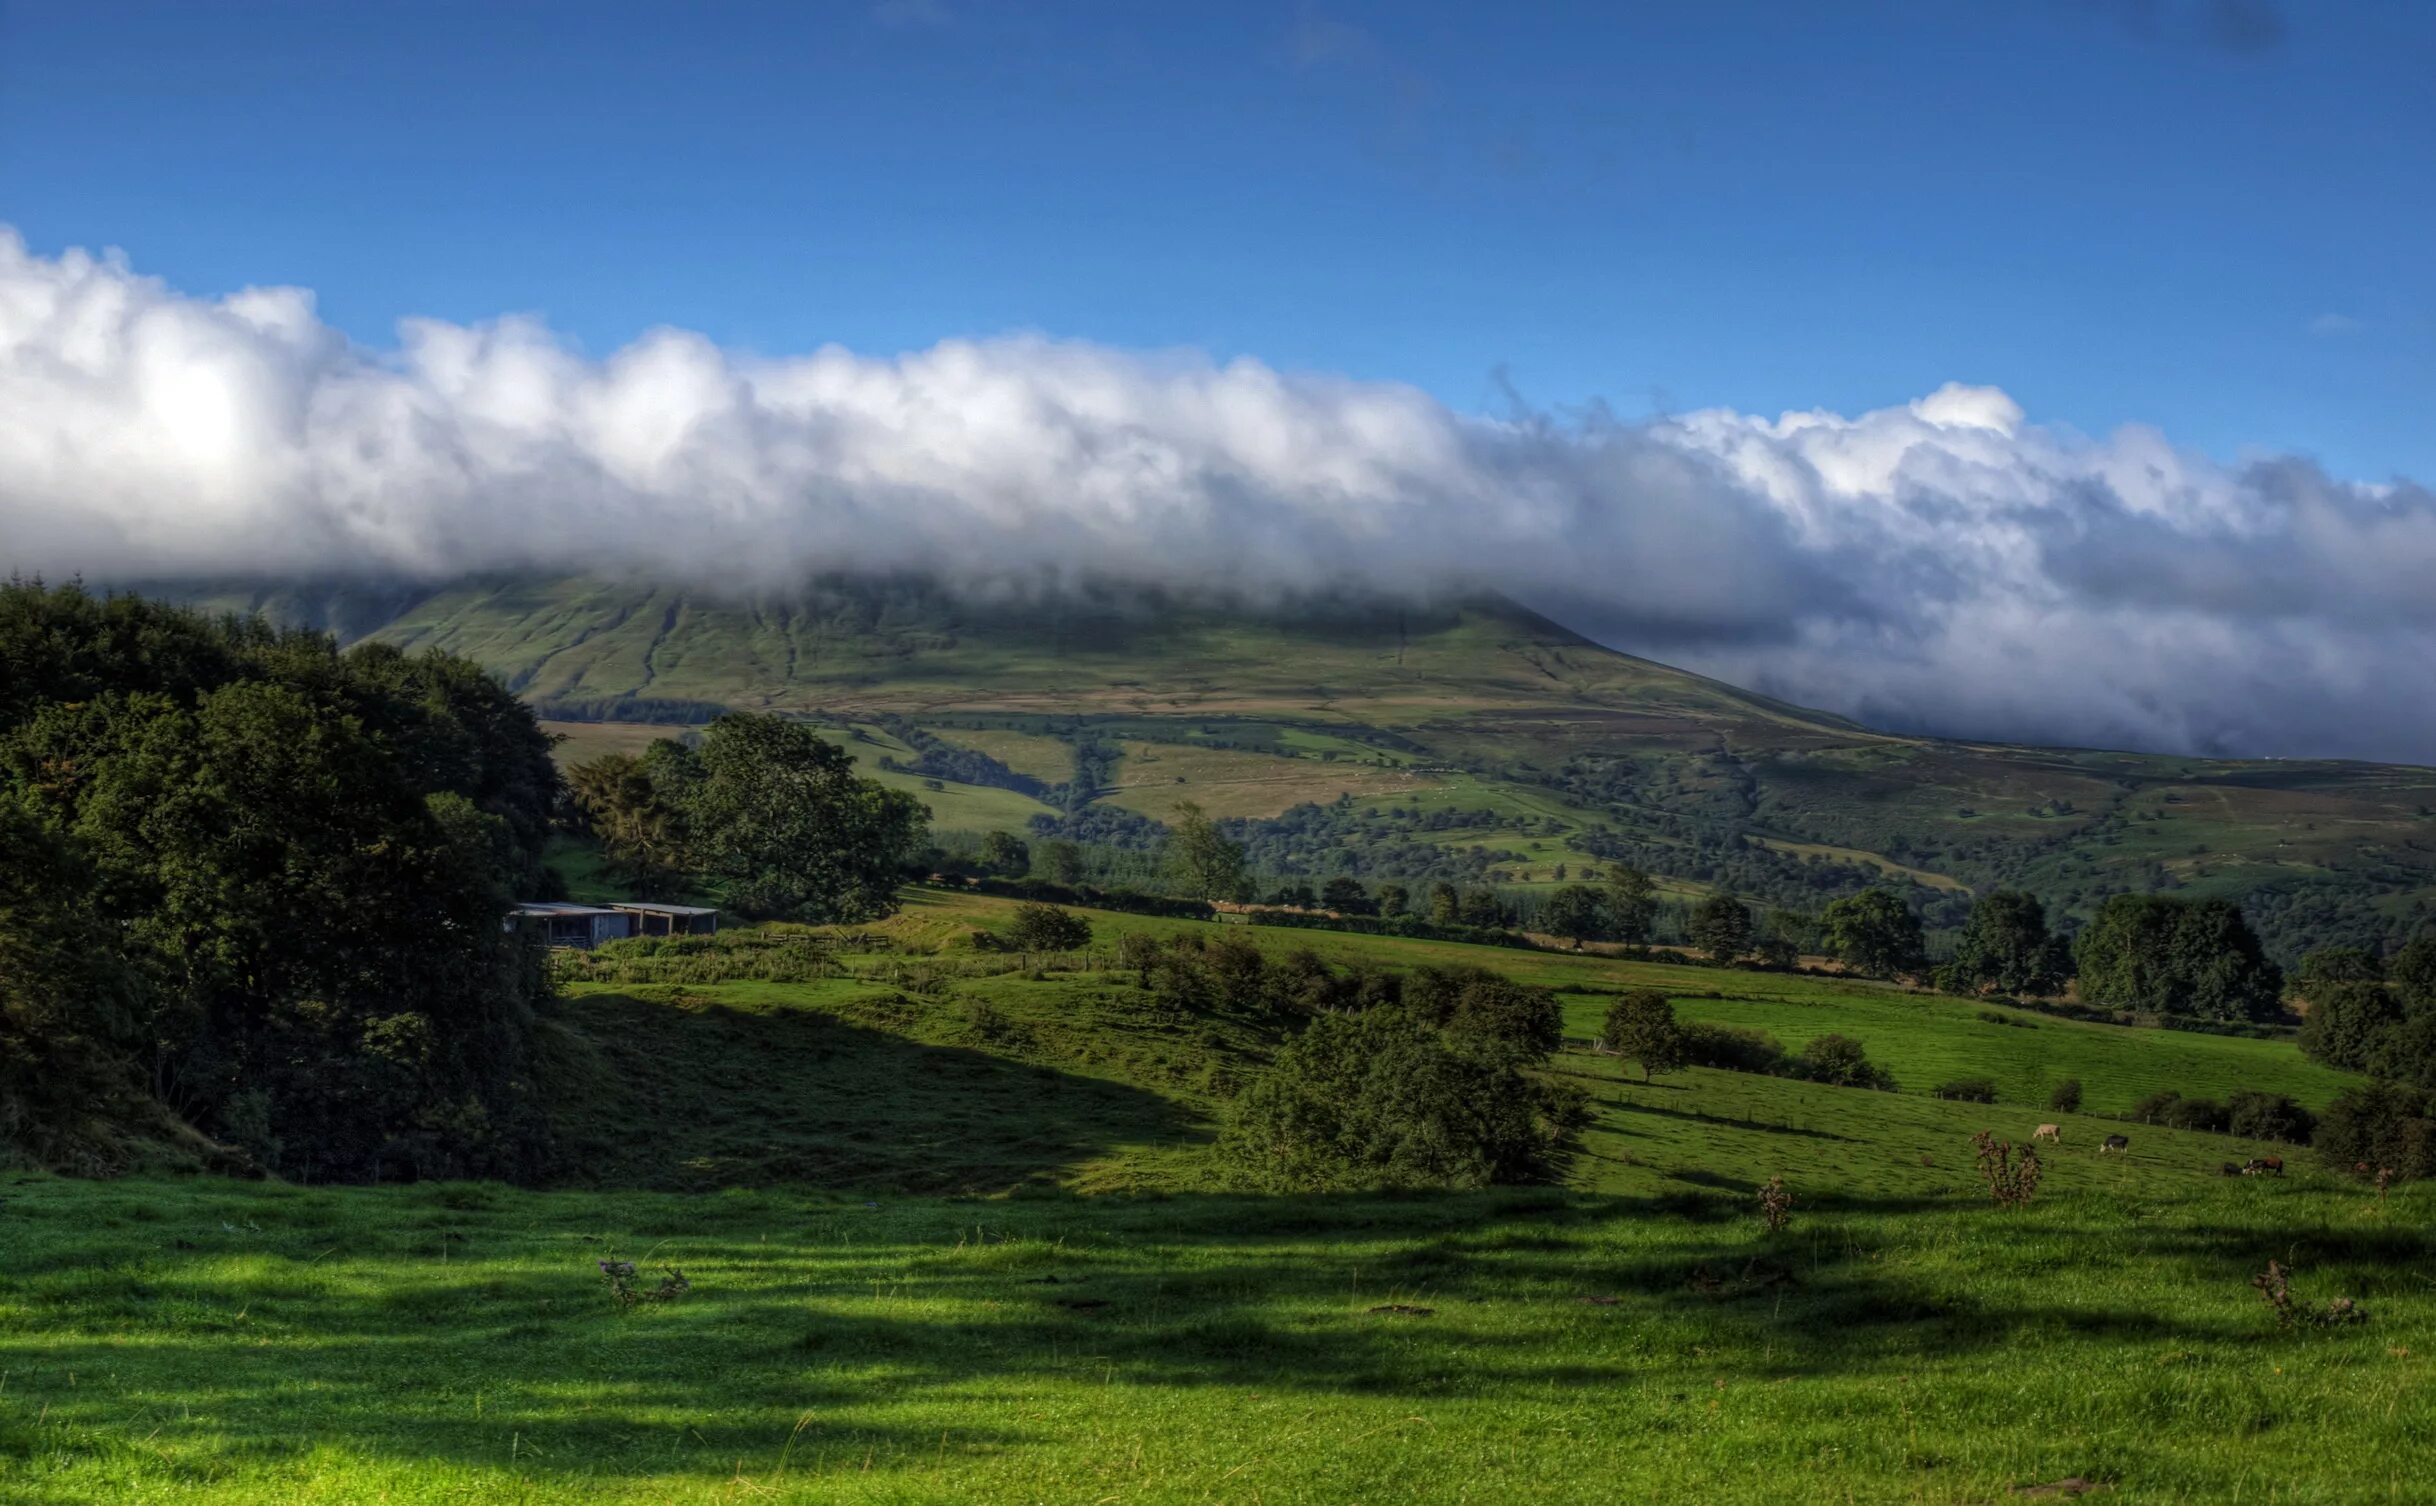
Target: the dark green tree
(2006, 946)
(1632, 904)
(1641, 1027)
(2174, 956)
(1873, 933)
(1345, 895)
(1721, 927)
(779, 816)
(1384, 1099)
(1046, 928)
(1575, 912)
(1005, 854)
(1202, 863)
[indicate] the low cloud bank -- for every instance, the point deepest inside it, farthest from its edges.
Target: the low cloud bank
(1946, 565)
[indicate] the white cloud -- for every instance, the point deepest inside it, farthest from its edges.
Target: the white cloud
(2329, 325)
(1945, 564)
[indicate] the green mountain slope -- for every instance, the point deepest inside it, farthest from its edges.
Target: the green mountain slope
(1559, 751)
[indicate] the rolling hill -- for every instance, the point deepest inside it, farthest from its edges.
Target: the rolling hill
(1495, 739)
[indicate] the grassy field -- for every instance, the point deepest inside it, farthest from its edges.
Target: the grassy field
(1155, 778)
(223, 1342)
(954, 1231)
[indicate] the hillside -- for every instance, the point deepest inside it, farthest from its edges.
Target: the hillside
(1540, 748)
(871, 1181)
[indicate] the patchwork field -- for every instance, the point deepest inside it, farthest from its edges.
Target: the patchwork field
(1485, 704)
(1155, 778)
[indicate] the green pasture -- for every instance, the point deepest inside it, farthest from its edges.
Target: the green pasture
(954, 1231)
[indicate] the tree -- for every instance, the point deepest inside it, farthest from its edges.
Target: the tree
(1483, 910)
(2066, 1099)
(1046, 928)
(1873, 933)
(1201, 862)
(283, 871)
(1394, 899)
(1641, 1027)
(641, 831)
(2176, 956)
(1505, 1018)
(2006, 946)
(1575, 913)
(1345, 895)
(1063, 862)
(1006, 854)
(780, 816)
(1445, 905)
(1383, 1099)
(1721, 927)
(1841, 1060)
(2352, 1025)
(1632, 904)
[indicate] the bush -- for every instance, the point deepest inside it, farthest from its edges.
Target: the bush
(1966, 1090)
(1732, 1048)
(1384, 1099)
(1641, 1025)
(1840, 1061)
(2383, 1126)
(2151, 1110)
(2196, 1114)
(2269, 1116)
(1513, 1019)
(2066, 1099)
(1046, 928)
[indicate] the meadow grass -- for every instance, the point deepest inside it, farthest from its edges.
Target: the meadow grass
(955, 1231)
(201, 1341)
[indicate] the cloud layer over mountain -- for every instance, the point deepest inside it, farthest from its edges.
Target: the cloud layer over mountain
(1946, 565)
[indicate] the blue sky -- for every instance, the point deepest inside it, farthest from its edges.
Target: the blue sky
(2211, 215)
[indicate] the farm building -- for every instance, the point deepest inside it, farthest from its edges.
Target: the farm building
(670, 920)
(559, 924)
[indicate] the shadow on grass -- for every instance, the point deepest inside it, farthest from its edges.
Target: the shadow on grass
(702, 1097)
(254, 1318)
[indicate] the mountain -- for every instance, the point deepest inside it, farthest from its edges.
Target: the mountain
(1477, 737)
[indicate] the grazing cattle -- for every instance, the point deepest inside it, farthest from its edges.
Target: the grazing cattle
(2229, 1169)
(2116, 1142)
(2264, 1166)
(2053, 1132)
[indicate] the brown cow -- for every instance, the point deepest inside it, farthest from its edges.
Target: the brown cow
(2053, 1132)
(2264, 1166)
(2116, 1142)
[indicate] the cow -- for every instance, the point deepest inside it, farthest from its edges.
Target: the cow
(2264, 1166)
(2230, 1169)
(2116, 1142)
(2053, 1132)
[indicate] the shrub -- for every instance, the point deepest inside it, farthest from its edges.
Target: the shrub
(1384, 1099)
(2381, 1127)
(1505, 1017)
(1839, 1060)
(1966, 1090)
(1775, 1205)
(2066, 1099)
(1046, 928)
(1641, 1025)
(2195, 1114)
(2269, 1116)
(1732, 1048)
(2010, 1183)
(2151, 1110)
